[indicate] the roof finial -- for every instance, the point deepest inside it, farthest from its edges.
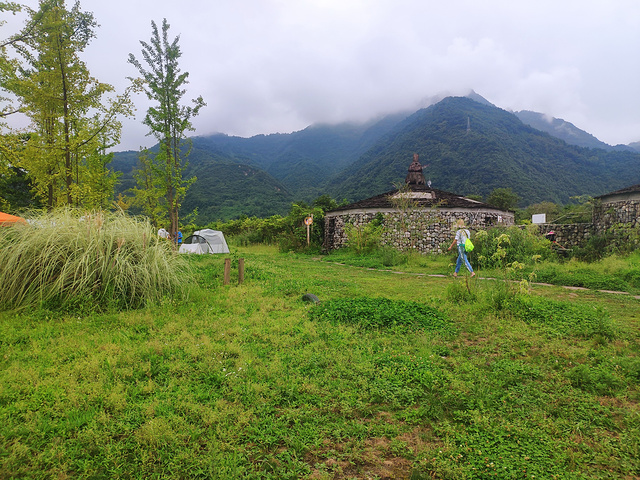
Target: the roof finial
(415, 176)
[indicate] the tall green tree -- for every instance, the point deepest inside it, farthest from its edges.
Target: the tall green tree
(8, 107)
(168, 121)
(74, 117)
(503, 198)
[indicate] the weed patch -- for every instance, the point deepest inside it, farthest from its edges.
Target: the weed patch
(403, 380)
(375, 313)
(564, 319)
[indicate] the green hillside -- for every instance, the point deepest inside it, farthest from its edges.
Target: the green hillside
(566, 131)
(471, 148)
(468, 146)
(303, 161)
(224, 188)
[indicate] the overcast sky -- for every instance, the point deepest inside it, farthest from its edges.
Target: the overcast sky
(266, 66)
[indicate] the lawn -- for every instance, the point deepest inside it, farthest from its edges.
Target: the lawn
(394, 374)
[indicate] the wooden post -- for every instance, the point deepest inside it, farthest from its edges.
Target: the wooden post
(240, 271)
(227, 271)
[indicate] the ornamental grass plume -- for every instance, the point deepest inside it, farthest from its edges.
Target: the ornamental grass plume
(97, 260)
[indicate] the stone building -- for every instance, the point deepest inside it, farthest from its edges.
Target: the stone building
(416, 217)
(621, 207)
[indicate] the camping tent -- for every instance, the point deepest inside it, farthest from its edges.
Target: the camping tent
(205, 241)
(7, 220)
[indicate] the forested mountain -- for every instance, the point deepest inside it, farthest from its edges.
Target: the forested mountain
(272, 170)
(226, 190)
(468, 146)
(566, 131)
(305, 160)
(472, 148)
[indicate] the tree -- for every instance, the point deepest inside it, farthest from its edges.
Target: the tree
(73, 119)
(168, 122)
(503, 198)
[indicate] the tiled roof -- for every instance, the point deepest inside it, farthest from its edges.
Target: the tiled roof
(423, 197)
(632, 189)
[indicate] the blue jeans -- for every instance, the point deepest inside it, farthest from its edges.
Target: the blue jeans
(462, 257)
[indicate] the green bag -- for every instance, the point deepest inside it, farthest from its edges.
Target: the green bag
(468, 246)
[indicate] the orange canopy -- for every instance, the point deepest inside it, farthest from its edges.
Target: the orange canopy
(7, 220)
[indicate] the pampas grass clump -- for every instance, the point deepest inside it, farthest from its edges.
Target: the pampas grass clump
(99, 260)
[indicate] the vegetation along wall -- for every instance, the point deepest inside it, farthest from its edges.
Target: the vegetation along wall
(609, 214)
(569, 235)
(425, 231)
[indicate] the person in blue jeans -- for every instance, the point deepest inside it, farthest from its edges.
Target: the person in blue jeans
(461, 236)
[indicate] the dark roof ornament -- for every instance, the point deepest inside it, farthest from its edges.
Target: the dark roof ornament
(415, 175)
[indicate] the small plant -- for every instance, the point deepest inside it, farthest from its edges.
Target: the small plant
(374, 313)
(598, 379)
(461, 292)
(363, 238)
(391, 257)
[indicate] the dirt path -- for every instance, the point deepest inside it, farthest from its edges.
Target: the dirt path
(490, 278)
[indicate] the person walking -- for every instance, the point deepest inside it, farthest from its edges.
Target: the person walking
(461, 236)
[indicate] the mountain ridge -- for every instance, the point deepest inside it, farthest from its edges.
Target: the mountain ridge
(470, 145)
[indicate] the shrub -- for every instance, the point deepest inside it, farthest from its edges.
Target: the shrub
(364, 238)
(498, 247)
(618, 239)
(70, 259)
(374, 313)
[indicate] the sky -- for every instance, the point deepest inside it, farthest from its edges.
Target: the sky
(277, 66)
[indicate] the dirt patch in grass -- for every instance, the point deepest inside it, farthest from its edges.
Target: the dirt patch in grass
(379, 457)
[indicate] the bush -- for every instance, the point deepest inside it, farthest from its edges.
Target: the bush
(68, 259)
(618, 239)
(374, 313)
(363, 238)
(498, 247)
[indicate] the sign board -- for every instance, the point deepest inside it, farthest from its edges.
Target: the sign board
(539, 218)
(308, 221)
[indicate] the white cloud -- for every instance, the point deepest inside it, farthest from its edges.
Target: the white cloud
(265, 66)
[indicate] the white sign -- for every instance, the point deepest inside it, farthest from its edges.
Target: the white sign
(539, 218)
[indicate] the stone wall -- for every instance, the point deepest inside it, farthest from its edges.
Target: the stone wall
(625, 212)
(569, 235)
(429, 231)
(425, 231)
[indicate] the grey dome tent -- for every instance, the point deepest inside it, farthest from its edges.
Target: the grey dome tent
(205, 241)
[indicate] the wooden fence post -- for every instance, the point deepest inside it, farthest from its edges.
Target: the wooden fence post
(240, 271)
(227, 271)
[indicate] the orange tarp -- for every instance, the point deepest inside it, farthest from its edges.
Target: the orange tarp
(8, 220)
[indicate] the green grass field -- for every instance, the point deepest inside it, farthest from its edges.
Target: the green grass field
(394, 374)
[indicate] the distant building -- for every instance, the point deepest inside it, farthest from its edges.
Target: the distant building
(621, 207)
(425, 223)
